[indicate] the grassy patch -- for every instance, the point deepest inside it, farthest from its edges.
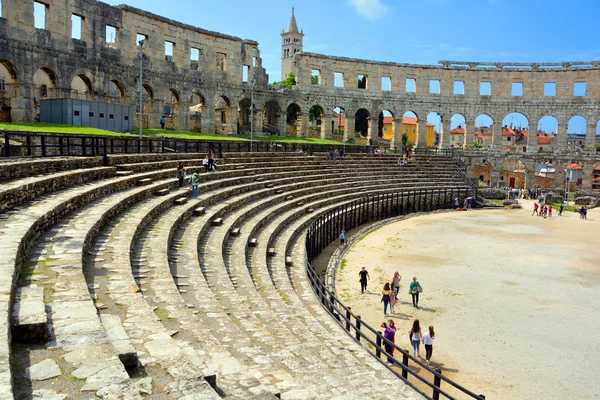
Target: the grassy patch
(343, 264)
(190, 135)
(55, 128)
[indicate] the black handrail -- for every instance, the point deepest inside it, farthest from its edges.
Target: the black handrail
(324, 230)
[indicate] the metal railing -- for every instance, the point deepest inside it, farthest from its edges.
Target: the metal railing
(29, 144)
(326, 228)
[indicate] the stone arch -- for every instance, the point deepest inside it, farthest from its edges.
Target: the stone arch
(361, 121)
(410, 127)
(8, 89)
(293, 120)
(576, 131)
(546, 133)
(10, 69)
(116, 91)
(272, 118)
(386, 129)
(434, 123)
(223, 115)
(81, 87)
(198, 102)
(244, 115)
(339, 123)
(316, 118)
(515, 132)
(458, 124)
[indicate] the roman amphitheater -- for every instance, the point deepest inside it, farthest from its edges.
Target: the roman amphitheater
(117, 285)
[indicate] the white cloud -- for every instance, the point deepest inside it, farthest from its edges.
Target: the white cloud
(369, 9)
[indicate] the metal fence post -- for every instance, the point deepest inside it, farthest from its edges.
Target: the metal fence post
(61, 149)
(405, 363)
(378, 348)
(43, 145)
(437, 381)
(358, 328)
(348, 316)
(28, 140)
(6, 144)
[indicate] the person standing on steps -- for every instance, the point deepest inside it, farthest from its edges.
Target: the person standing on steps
(342, 238)
(415, 336)
(162, 122)
(194, 182)
(385, 297)
(389, 334)
(428, 338)
(414, 290)
(180, 173)
(396, 283)
(211, 160)
(341, 153)
(363, 276)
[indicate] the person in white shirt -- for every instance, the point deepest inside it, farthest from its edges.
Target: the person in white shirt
(428, 339)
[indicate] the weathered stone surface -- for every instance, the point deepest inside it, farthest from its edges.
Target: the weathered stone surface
(46, 394)
(29, 318)
(45, 370)
(119, 339)
(585, 200)
(492, 194)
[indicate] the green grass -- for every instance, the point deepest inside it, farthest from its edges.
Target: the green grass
(191, 135)
(286, 139)
(343, 264)
(55, 128)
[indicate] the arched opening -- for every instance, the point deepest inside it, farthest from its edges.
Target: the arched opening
(573, 176)
(482, 170)
(81, 88)
(339, 125)
(197, 102)
(576, 130)
(45, 83)
(409, 129)
(484, 130)
(244, 116)
(115, 92)
(171, 108)
(513, 174)
(546, 133)
(361, 123)
(386, 130)
(596, 177)
(8, 89)
(148, 111)
(272, 118)
(316, 117)
(223, 116)
(434, 122)
(457, 131)
(292, 120)
(515, 132)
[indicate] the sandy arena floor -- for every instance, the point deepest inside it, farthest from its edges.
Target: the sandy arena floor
(514, 299)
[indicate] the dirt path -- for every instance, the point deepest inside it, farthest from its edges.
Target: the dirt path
(514, 298)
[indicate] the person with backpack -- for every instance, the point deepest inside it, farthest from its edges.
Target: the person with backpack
(211, 160)
(342, 238)
(414, 290)
(396, 282)
(162, 122)
(194, 182)
(180, 174)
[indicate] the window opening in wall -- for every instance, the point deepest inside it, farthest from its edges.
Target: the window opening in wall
(1, 15)
(138, 38)
(169, 50)
(101, 115)
(434, 86)
(579, 89)
(221, 57)
(549, 89)
(111, 116)
(338, 79)
(459, 87)
(223, 118)
(44, 91)
(91, 114)
(195, 54)
(362, 81)
(411, 85)
(111, 36)
(76, 113)
(253, 62)
(2, 85)
(76, 27)
(386, 83)
(315, 77)
(485, 88)
(126, 117)
(517, 89)
(39, 15)
(245, 70)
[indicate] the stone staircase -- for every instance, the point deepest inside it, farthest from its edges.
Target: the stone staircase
(117, 285)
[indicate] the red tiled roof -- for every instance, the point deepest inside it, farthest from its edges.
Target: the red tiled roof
(545, 139)
(597, 168)
(574, 166)
(458, 131)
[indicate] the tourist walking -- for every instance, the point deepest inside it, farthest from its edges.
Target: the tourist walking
(414, 290)
(389, 334)
(456, 203)
(415, 336)
(393, 300)
(211, 160)
(180, 173)
(194, 182)
(584, 212)
(331, 154)
(535, 209)
(396, 282)
(549, 211)
(560, 210)
(363, 277)
(342, 238)
(162, 122)
(385, 297)
(428, 338)
(341, 153)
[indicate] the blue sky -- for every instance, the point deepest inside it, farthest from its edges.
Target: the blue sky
(415, 31)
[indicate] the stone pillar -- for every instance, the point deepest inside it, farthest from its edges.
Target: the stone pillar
(207, 120)
(587, 180)
(257, 120)
(422, 133)
(532, 141)
(497, 138)
(559, 177)
(469, 134)
(590, 138)
(396, 143)
(232, 120)
(560, 143)
(326, 126)
(373, 131)
(283, 125)
(530, 178)
(348, 128)
(494, 176)
(303, 124)
(445, 134)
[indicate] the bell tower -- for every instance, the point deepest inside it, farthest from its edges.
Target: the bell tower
(291, 43)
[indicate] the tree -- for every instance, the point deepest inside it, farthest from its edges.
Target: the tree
(292, 114)
(404, 140)
(288, 82)
(314, 79)
(314, 115)
(477, 144)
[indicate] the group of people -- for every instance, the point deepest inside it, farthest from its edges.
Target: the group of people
(389, 294)
(335, 153)
(415, 336)
(545, 211)
(583, 212)
(194, 179)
